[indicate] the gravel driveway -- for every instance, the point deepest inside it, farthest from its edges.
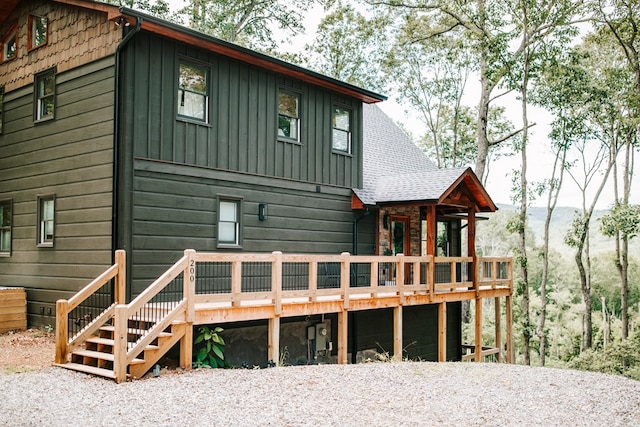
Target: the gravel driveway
(375, 394)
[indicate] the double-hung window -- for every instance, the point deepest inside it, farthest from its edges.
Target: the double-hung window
(46, 220)
(229, 214)
(5, 227)
(45, 93)
(37, 31)
(10, 44)
(288, 116)
(193, 98)
(341, 140)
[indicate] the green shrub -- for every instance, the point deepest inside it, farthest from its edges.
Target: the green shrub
(619, 358)
(210, 348)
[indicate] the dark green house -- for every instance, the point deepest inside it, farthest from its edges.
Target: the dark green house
(122, 131)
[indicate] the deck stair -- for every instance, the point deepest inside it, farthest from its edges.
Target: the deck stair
(96, 355)
(124, 341)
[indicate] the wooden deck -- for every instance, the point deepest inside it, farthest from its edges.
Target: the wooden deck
(217, 288)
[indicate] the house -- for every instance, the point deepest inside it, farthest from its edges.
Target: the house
(121, 131)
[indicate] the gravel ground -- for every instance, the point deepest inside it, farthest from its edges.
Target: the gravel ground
(405, 393)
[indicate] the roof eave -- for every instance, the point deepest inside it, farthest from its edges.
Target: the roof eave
(222, 47)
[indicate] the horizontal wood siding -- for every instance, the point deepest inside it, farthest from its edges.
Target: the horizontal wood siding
(175, 208)
(70, 157)
(242, 131)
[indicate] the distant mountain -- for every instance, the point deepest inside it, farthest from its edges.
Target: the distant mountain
(560, 224)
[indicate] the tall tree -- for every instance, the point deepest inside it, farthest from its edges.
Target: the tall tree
(247, 22)
(349, 46)
(493, 42)
(622, 19)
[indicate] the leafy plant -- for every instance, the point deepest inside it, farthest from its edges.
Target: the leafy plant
(211, 350)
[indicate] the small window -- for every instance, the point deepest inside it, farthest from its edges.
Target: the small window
(46, 220)
(341, 130)
(5, 227)
(229, 222)
(288, 116)
(193, 99)
(10, 44)
(37, 31)
(45, 89)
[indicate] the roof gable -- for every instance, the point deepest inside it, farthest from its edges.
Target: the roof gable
(397, 171)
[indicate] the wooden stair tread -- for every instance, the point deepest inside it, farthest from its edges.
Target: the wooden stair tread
(107, 373)
(134, 331)
(108, 341)
(102, 356)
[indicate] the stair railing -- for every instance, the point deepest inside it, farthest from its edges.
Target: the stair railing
(116, 272)
(160, 304)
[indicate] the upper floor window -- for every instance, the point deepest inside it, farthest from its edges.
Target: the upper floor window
(193, 99)
(10, 44)
(45, 90)
(289, 116)
(37, 31)
(46, 220)
(341, 140)
(5, 227)
(229, 214)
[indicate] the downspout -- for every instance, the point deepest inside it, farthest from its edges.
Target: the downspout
(116, 146)
(356, 220)
(352, 321)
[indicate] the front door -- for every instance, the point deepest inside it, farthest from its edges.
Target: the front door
(400, 235)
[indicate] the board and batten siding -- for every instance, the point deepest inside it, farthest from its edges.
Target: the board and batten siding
(175, 207)
(243, 113)
(70, 157)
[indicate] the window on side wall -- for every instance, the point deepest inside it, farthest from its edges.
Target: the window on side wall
(46, 220)
(229, 224)
(193, 98)
(341, 136)
(288, 116)
(37, 36)
(45, 94)
(10, 44)
(6, 211)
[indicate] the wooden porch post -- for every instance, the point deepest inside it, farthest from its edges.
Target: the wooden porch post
(189, 292)
(498, 331)
(478, 350)
(120, 291)
(121, 320)
(397, 332)
(274, 339)
(343, 336)
(509, 326)
(442, 332)
(471, 247)
(62, 330)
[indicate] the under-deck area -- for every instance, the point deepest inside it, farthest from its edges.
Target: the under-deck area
(222, 288)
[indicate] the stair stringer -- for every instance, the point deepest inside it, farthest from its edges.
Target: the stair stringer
(165, 343)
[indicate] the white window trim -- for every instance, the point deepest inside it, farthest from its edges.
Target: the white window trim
(207, 70)
(238, 222)
(43, 242)
(5, 228)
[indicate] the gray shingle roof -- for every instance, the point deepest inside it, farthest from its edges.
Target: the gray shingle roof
(395, 169)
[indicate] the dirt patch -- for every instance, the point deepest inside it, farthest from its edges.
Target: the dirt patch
(24, 351)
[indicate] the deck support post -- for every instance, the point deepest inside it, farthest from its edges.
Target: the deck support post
(121, 324)
(343, 336)
(274, 339)
(397, 332)
(498, 329)
(189, 293)
(509, 326)
(62, 330)
(478, 331)
(442, 332)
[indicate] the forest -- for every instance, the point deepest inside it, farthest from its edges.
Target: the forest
(449, 65)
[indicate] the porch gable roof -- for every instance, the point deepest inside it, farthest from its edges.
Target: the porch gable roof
(397, 171)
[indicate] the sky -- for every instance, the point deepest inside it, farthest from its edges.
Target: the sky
(540, 159)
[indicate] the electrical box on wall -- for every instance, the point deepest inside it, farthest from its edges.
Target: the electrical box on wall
(322, 334)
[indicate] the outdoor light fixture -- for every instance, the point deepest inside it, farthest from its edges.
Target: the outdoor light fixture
(262, 211)
(385, 221)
